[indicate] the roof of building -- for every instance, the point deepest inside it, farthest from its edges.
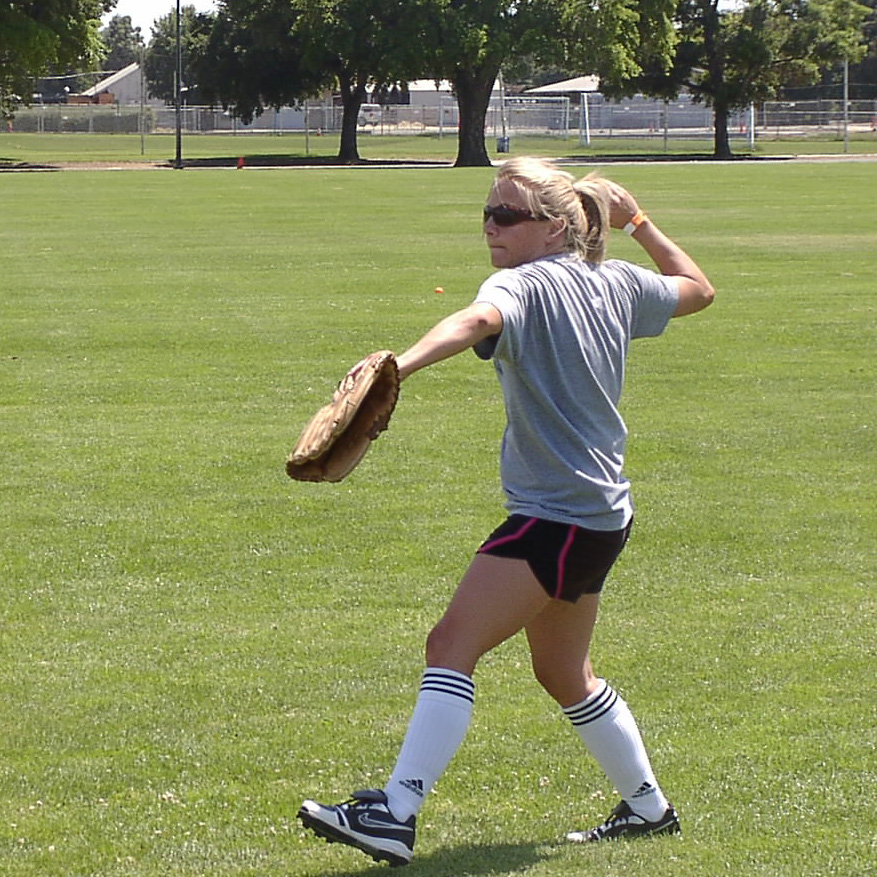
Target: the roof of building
(108, 83)
(568, 86)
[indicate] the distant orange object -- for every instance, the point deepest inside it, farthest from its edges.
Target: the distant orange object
(439, 289)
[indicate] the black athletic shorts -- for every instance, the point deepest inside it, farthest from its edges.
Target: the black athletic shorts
(568, 561)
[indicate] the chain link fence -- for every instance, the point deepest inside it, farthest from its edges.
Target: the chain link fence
(591, 117)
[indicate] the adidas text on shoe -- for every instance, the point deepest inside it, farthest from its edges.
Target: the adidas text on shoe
(364, 822)
(623, 822)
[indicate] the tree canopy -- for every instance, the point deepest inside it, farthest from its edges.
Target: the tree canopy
(729, 57)
(122, 42)
(478, 38)
(264, 53)
(255, 54)
(37, 38)
(161, 55)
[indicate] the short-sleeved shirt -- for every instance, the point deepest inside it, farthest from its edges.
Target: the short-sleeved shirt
(560, 358)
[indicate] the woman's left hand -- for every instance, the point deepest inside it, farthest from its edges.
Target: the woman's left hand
(622, 205)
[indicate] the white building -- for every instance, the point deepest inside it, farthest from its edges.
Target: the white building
(126, 87)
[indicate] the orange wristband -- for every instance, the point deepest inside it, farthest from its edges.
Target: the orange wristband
(635, 222)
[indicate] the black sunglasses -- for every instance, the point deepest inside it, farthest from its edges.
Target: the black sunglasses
(506, 216)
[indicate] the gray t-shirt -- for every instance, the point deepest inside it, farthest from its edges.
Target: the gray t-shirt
(560, 358)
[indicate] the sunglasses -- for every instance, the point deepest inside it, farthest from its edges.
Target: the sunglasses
(507, 216)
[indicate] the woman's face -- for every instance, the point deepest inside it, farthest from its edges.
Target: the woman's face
(513, 245)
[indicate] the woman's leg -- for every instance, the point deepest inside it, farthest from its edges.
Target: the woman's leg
(495, 599)
(559, 641)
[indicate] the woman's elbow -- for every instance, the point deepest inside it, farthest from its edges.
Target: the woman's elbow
(694, 296)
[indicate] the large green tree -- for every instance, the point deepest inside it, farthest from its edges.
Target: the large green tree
(252, 59)
(122, 41)
(39, 36)
(264, 53)
(730, 56)
(478, 38)
(269, 52)
(363, 44)
(161, 54)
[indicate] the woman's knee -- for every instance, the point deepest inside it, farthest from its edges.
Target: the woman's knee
(551, 678)
(568, 684)
(436, 645)
(446, 647)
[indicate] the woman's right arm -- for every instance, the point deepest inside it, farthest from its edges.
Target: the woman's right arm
(454, 334)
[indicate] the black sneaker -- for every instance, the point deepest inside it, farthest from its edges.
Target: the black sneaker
(623, 822)
(364, 822)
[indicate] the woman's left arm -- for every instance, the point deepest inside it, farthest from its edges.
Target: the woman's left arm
(454, 334)
(695, 290)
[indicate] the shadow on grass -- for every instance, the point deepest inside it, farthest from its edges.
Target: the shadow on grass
(680, 157)
(276, 160)
(12, 164)
(466, 861)
(286, 160)
(228, 161)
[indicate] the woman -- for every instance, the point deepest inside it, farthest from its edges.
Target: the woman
(557, 320)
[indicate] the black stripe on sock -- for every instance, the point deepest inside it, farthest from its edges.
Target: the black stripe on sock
(583, 714)
(454, 686)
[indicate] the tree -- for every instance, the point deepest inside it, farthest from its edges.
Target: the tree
(36, 38)
(363, 44)
(269, 52)
(477, 38)
(264, 53)
(863, 74)
(728, 58)
(123, 43)
(252, 59)
(161, 55)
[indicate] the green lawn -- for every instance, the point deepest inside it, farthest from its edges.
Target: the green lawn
(191, 643)
(266, 149)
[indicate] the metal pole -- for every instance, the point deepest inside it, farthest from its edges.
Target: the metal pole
(666, 125)
(307, 130)
(752, 127)
(585, 127)
(846, 104)
(142, 100)
(178, 92)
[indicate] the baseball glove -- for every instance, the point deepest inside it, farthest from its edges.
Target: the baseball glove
(340, 433)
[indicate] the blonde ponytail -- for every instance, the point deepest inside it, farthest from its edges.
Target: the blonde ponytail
(594, 196)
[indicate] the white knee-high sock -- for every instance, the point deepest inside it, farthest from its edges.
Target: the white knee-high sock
(608, 729)
(437, 728)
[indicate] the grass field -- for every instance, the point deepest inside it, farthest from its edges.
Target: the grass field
(191, 643)
(267, 149)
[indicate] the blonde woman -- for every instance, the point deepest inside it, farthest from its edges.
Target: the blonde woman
(556, 319)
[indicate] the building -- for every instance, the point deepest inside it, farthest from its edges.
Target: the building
(125, 87)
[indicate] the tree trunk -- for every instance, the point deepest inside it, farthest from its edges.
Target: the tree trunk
(722, 143)
(712, 25)
(352, 97)
(473, 89)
